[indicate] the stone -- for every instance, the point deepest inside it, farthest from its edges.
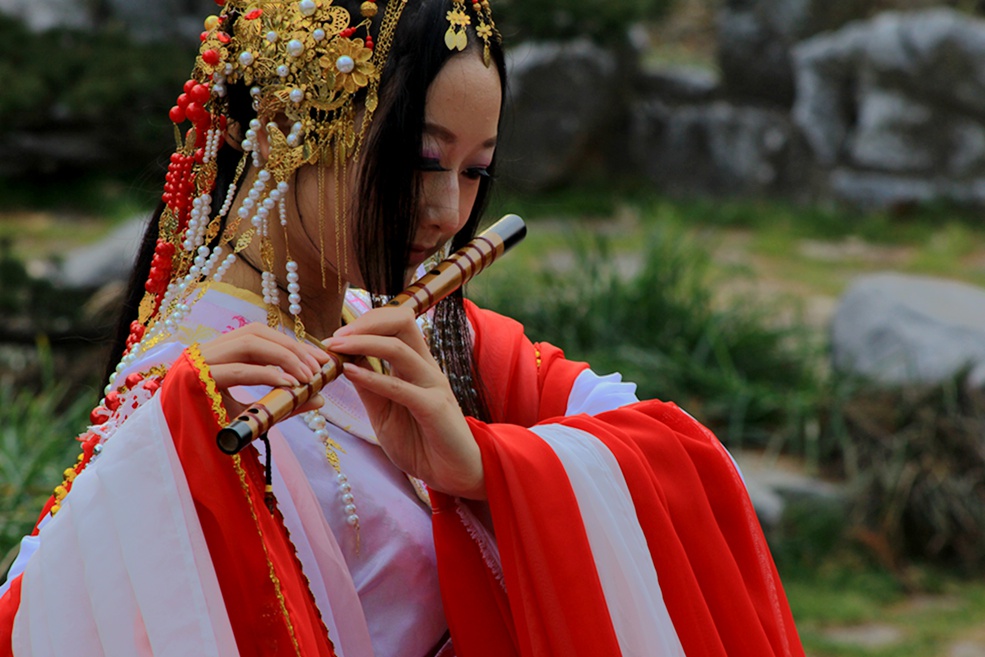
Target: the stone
(716, 148)
(680, 84)
(871, 637)
(899, 329)
(107, 261)
(899, 99)
(773, 483)
(42, 16)
(562, 108)
(755, 38)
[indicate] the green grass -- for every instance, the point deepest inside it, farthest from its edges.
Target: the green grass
(37, 442)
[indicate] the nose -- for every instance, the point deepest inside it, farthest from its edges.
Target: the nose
(442, 199)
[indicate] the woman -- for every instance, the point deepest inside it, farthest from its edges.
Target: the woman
(483, 497)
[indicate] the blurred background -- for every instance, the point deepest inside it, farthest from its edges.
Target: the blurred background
(768, 211)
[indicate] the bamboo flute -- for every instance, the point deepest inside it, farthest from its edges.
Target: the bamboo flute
(449, 275)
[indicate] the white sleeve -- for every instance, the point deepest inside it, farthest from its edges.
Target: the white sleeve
(592, 394)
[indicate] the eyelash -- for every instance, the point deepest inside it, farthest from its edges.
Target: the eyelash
(433, 164)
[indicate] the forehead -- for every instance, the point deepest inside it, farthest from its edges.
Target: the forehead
(465, 91)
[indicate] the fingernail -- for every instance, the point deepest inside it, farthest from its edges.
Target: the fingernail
(291, 381)
(342, 330)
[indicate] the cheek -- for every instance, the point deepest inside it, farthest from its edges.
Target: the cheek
(468, 195)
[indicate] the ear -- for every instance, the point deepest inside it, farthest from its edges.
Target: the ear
(234, 136)
(263, 145)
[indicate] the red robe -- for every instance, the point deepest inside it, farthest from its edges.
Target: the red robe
(543, 585)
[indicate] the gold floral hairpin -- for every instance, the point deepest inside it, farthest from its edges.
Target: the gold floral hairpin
(458, 21)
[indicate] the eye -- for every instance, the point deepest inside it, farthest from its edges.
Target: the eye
(476, 173)
(429, 164)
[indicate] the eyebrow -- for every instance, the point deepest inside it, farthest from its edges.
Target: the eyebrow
(447, 136)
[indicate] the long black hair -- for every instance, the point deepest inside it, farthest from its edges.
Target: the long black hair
(389, 186)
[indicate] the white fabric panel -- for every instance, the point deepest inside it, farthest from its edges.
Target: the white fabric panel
(629, 581)
(593, 394)
(28, 545)
(319, 553)
(140, 553)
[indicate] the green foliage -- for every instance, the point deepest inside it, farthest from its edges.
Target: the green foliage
(917, 461)
(605, 22)
(37, 430)
(35, 303)
(661, 326)
(65, 80)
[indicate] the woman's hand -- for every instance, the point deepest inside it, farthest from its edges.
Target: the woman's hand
(413, 410)
(258, 355)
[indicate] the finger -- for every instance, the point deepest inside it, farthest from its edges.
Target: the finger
(405, 362)
(311, 354)
(259, 350)
(382, 387)
(395, 321)
(227, 375)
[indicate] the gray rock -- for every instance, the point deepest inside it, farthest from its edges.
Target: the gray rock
(145, 20)
(772, 485)
(755, 38)
(901, 329)
(562, 107)
(680, 85)
(107, 261)
(41, 16)
(716, 148)
(901, 100)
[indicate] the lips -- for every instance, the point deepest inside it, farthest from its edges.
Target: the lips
(419, 254)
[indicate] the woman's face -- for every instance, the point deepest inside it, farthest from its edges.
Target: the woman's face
(461, 118)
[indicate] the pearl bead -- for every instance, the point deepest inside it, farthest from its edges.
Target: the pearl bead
(263, 176)
(272, 36)
(283, 187)
(297, 95)
(348, 498)
(295, 309)
(294, 300)
(255, 91)
(283, 70)
(307, 7)
(353, 520)
(292, 277)
(319, 34)
(292, 265)
(269, 203)
(295, 48)
(292, 140)
(345, 64)
(350, 509)
(245, 58)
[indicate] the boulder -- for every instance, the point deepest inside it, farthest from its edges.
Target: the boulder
(145, 20)
(716, 148)
(41, 16)
(563, 106)
(755, 38)
(104, 262)
(901, 329)
(899, 99)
